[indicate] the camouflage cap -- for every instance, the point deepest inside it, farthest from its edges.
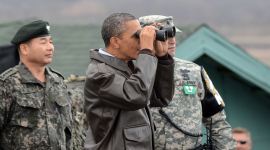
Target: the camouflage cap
(31, 30)
(164, 20)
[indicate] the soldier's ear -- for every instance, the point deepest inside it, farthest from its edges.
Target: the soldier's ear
(114, 41)
(24, 48)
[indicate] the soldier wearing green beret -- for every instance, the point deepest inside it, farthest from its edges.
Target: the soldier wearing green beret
(35, 110)
(179, 124)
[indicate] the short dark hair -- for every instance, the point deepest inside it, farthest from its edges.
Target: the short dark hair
(18, 48)
(115, 25)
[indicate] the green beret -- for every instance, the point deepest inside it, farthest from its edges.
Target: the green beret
(31, 30)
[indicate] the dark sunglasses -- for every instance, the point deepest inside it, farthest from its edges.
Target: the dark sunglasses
(242, 142)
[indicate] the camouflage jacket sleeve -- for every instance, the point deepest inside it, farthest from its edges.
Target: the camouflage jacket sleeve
(221, 131)
(5, 104)
(69, 141)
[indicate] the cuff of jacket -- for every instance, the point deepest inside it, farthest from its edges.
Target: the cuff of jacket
(165, 60)
(146, 51)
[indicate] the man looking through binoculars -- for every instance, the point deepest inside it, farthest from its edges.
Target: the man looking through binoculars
(179, 124)
(118, 93)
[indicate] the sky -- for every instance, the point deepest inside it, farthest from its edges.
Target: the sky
(216, 12)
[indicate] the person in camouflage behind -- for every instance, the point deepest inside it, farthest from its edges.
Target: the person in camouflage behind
(75, 87)
(186, 109)
(35, 109)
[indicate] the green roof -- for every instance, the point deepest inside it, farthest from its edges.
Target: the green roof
(187, 30)
(204, 41)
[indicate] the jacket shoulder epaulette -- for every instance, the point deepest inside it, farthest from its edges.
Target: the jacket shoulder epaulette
(7, 73)
(59, 74)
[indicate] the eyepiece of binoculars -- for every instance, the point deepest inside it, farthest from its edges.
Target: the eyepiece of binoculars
(161, 35)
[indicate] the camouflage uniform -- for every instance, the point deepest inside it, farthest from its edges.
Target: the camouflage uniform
(186, 112)
(80, 125)
(34, 115)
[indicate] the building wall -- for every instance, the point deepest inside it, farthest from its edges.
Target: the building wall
(244, 107)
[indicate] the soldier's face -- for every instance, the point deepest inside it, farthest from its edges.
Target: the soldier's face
(41, 50)
(129, 44)
(171, 46)
(243, 142)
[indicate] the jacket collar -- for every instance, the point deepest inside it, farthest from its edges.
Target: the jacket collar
(51, 78)
(110, 61)
(28, 77)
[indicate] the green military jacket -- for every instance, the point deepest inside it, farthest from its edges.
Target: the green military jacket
(185, 110)
(34, 115)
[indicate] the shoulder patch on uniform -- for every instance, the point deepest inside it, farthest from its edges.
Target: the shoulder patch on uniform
(7, 73)
(210, 87)
(56, 72)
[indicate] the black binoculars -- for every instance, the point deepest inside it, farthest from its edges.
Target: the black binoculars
(163, 33)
